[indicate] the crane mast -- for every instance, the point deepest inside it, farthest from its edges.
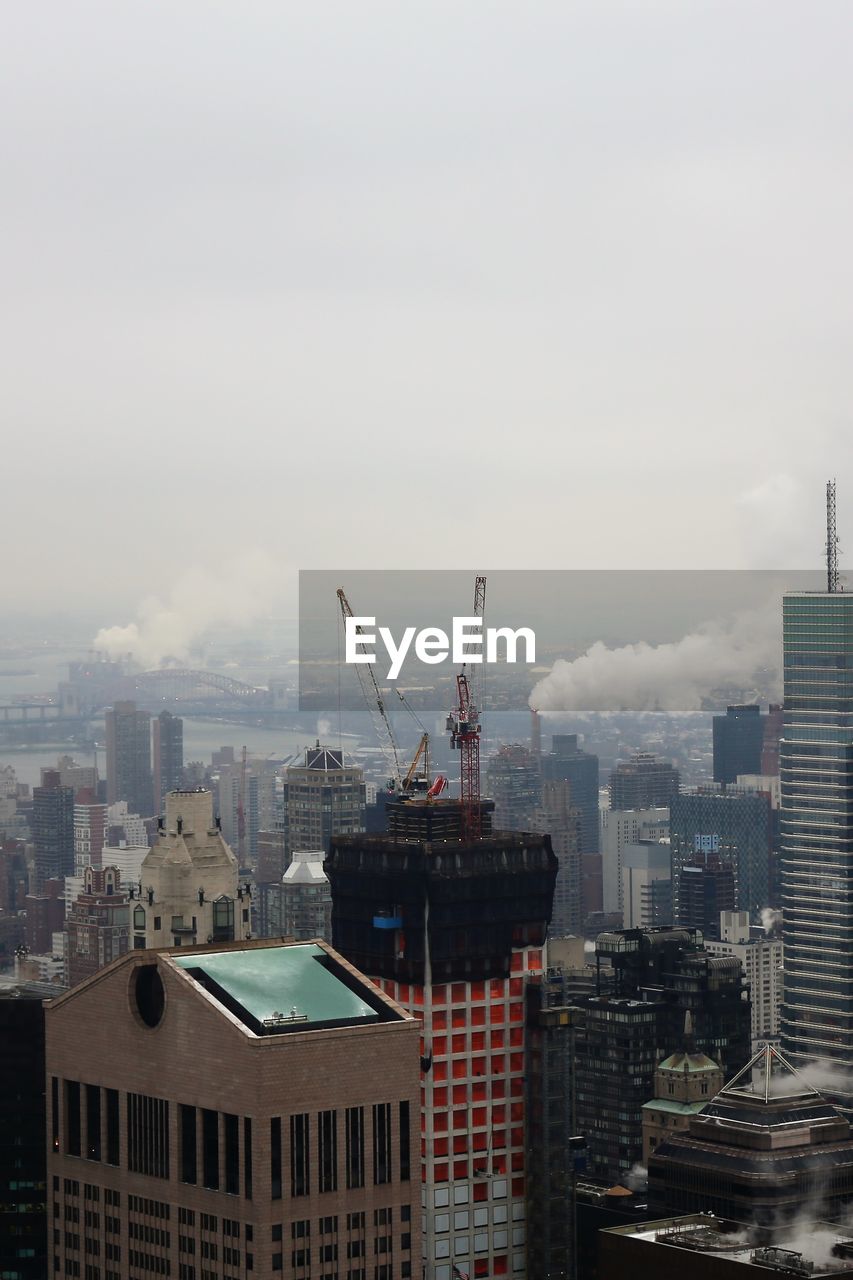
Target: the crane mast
(831, 539)
(464, 726)
(375, 705)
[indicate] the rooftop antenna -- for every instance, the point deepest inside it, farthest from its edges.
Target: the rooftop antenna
(831, 539)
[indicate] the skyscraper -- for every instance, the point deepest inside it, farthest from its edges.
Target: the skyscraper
(816, 760)
(238, 1110)
(567, 761)
(190, 890)
(168, 741)
(643, 782)
(737, 825)
(513, 782)
(129, 758)
(738, 738)
(53, 830)
(322, 797)
(453, 929)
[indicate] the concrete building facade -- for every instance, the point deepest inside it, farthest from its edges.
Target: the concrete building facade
(190, 885)
(298, 1160)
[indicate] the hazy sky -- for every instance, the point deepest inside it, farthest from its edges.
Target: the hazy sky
(420, 284)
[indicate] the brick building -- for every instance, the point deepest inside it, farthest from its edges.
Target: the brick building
(97, 926)
(218, 1112)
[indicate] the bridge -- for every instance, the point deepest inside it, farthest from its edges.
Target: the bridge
(184, 684)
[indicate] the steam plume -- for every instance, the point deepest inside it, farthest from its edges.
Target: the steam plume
(666, 677)
(169, 630)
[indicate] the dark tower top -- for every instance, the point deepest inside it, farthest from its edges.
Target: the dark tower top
(415, 908)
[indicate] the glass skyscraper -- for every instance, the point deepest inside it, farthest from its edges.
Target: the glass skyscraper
(816, 761)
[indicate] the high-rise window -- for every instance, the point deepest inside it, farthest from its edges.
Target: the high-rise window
(189, 1170)
(355, 1146)
(148, 1135)
(300, 1154)
(275, 1156)
(247, 1157)
(327, 1129)
(210, 1149)
(112, 1109)
(232, 1154)
(405, 1143)
(382, 1142)
(72, 1117)
(93, 1122)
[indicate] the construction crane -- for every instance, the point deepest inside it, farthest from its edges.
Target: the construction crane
(831, 539)
(376, 706)
(422, 751)
(464, 726)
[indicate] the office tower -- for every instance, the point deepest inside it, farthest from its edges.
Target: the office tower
(685, 1083)
(560, 819)
(513, 782)
(23, 1207)
(168, 744)
(738, 739)
(734, 824)
(658, 976)
(454, 929)
(91, 823)
(189, 889)
(620, 828)
(129, 774)
(306, 898)
(239, 788)
(767, 1145)
(817, 828)
(237, 1110)
(706, 887)
(97, 927)
(567, 762)
(760, 954)
(646, 884)
(53, 830)
(323, 797)
(555, 1150)
(643, 782)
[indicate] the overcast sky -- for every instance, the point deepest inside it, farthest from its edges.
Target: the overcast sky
(420, 284)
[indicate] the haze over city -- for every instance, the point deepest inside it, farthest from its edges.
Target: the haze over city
(302, 288)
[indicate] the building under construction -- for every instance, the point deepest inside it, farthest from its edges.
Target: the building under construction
(454, 926)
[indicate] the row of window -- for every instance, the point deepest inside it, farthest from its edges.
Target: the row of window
(319, 1142)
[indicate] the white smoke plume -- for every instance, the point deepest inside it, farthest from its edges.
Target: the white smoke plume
(666, 677)
(826, 1077)
(771, 920)
(637, 1177)
(170, 630)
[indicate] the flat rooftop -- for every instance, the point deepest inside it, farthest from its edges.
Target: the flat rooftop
(807, 1251)
(283, 988)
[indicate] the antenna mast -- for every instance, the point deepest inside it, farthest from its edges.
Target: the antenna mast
(831, 539)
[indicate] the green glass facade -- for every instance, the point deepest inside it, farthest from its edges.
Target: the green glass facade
(816, 761)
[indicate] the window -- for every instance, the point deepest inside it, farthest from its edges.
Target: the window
(247, 1158)
(92, 1121)
(187, 1119)
(54, 1111)
(382, 1142)
(405, 1143)
(327, 1125)
(210, 1148)
(300, 1162)
(112, 1127)
(275, 1157)
(355, 1146)
(232, 1154)
(147, 1135)
(72, 1118)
